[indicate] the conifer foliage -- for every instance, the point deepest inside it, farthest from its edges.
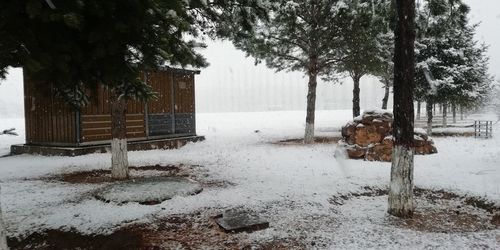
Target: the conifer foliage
(300, 35)
(77, 45)
(452, 67)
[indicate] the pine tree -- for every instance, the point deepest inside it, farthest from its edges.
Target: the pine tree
(385, 71)
(360, 45)
(300, 35)
(78, 45)
(401, 186)
(451, 66)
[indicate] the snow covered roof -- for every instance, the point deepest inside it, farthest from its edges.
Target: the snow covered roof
(180, 70)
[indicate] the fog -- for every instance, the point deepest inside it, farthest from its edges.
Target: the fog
(234, 83)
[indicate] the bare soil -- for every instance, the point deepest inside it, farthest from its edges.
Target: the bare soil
(103, 176)
(140, 172)
(439, 211)
(187, 232)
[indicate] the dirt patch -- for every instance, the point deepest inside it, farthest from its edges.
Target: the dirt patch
(317, 140)
(177, 232)
(446, 220)
(439, 211)
(137, 173)
(102, 176)
(55, 239)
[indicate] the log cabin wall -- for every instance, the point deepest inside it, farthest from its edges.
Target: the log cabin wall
(160, 115)
(173, 113)
(95, 118)
(48, 119)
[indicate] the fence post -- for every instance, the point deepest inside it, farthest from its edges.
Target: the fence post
(475, 129)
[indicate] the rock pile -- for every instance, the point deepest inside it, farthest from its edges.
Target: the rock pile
(369, 137)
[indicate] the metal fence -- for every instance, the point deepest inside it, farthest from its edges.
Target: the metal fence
(483, 129)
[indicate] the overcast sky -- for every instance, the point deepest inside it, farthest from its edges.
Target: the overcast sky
(487, 13)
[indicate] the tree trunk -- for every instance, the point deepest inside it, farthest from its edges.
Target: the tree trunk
(119, 158)
(311, 108)
(418, 110)
(401, 186)
(386, 96)
(434, 108)
(445, 114)
(461, 113)
(3, 233)
(429, 117)
(454, 112)
(355, 96)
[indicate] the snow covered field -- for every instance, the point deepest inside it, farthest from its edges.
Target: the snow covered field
(289, 184)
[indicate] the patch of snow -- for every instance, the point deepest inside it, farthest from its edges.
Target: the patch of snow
(291, 185)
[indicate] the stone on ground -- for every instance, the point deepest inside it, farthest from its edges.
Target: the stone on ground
(149, 190)
(235, 221)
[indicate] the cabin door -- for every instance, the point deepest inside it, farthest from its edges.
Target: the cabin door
(184, 107)
(160, 112)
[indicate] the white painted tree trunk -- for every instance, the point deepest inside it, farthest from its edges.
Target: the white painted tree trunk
(309, 134)
(401, 187)
(3, 234)
(119, 159)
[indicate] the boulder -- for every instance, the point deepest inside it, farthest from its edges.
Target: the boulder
(369, 137)
(356, 152)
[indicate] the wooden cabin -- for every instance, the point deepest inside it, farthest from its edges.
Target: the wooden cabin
(165, 122)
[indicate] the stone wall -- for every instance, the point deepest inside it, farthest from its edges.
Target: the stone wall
(369, 137)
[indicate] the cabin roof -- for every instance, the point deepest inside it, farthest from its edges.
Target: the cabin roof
(179, 70)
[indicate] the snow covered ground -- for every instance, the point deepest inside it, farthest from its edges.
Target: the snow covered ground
(289, 184)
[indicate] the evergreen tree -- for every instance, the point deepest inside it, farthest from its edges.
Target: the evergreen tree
(385, 71)
(451, 66)
(300, 35)
(401, 186)
(78, 45)
(360, 43)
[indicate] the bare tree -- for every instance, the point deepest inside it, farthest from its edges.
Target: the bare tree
(401, 186)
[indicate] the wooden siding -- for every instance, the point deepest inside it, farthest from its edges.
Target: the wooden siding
(50, 121)
(184, 104)
(96, 118)
(184, 93)
(161, 82)
(98, 127)
(48, 118)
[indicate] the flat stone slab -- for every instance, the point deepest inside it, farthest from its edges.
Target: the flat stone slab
(149, 191)
(236, 221)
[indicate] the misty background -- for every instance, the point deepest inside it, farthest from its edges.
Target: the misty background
(233, 83)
